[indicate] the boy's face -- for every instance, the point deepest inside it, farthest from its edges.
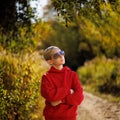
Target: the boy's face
(57, 57)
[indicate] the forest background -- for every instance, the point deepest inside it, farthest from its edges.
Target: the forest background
(87, 30)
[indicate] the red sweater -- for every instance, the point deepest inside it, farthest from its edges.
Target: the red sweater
(56, 85)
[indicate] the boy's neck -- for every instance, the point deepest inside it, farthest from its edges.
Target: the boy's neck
(59, 67)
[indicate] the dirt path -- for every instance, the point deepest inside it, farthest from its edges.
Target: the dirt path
(95, 108)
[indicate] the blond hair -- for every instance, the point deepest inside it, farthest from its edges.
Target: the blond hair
(48, 52)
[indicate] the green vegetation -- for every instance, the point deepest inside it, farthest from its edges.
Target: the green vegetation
(91, 42)
(21, 42)
(20, 79)
(101, 75)
(87, 8)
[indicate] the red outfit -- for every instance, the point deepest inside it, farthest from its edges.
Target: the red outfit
(56, 85)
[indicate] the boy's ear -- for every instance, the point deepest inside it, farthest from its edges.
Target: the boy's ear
(49, 62)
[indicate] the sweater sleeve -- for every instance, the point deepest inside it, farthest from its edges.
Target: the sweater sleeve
(77, 97)
(52, 93)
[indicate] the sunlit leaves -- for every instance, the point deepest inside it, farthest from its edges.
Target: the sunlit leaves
(20, 79)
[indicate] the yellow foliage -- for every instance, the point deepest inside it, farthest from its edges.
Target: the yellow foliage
(41, 31)
(21, 76)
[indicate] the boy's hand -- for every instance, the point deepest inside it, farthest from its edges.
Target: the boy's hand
(55, 103)
(71, 91)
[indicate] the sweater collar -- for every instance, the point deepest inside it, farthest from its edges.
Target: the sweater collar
(54, 70)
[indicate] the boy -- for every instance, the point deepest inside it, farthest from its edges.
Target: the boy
(60, 87)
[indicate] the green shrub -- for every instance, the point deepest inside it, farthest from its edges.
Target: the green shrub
(104, 73)
(21, 41)
(20, 78)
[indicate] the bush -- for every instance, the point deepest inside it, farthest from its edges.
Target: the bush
(104, 73)
(20, 86)
(21, 41)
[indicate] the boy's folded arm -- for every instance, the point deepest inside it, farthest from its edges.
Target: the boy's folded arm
(74, 99)
(76, 96)
(51, 93)
(54, 94)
